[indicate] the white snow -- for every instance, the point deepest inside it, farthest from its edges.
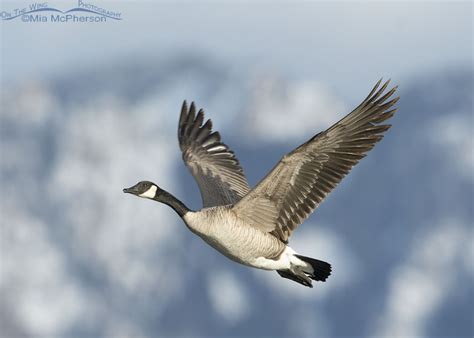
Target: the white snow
(282, 111)
(420, 284)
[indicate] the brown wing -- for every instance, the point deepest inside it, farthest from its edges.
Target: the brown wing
(301, 180)
(214, 166)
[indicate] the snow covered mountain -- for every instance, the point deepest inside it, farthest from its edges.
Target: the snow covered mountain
(79, 258)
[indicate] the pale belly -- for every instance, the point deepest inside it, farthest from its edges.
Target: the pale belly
(227, 249)
(255, 250)
(254, 260)
(240, 242)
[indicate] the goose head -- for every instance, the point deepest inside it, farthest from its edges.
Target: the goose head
(144, 189)
(150, 190)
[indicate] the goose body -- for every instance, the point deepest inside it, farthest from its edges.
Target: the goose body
(253, 226)
(221, 228)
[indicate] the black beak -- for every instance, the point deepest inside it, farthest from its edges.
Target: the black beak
(130, 190)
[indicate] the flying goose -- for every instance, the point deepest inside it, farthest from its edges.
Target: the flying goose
(252, 226)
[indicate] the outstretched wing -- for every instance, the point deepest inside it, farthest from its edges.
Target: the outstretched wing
(302, 179)
(214, 166)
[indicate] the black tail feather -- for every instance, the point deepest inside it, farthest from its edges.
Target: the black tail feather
(289, 275)
(322, 270)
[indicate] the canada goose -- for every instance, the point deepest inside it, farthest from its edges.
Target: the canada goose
(252, 227)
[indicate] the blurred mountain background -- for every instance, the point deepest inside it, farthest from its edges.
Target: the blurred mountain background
(88, 110)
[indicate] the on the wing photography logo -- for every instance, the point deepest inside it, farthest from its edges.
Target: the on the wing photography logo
(84, 12)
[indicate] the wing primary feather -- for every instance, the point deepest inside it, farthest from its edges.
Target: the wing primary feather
(384, 116)
(182, 118)
(374, 89)
(204, 132)
(197, 124)
(190, 119)
(386, 96)
(380, 91)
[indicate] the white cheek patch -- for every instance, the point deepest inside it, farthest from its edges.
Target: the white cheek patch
(150, 193)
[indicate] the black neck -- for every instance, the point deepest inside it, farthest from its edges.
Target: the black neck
(168, 199)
